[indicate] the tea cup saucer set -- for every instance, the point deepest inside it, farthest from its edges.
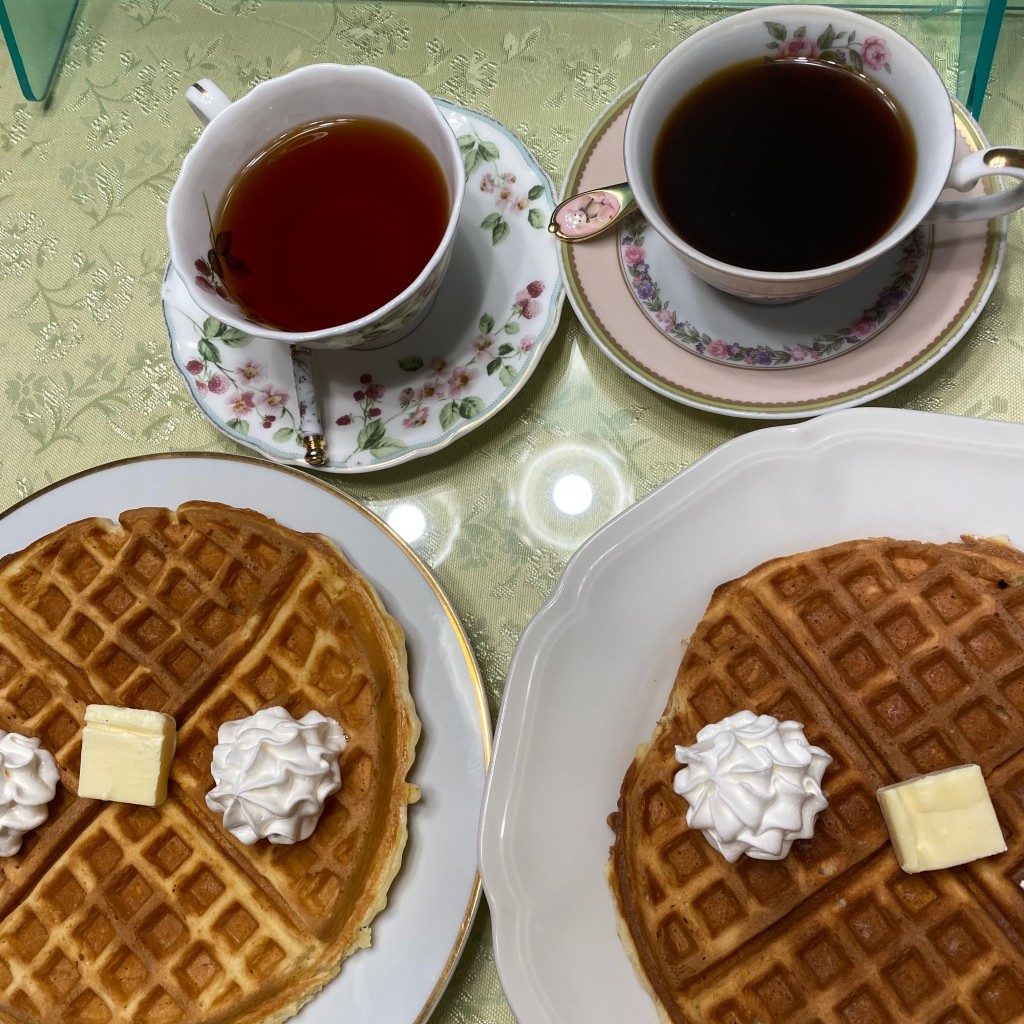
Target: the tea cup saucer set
(460, 341)
(442, 356)
(673, 319)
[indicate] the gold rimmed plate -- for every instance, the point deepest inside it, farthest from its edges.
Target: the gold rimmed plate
(419, 937)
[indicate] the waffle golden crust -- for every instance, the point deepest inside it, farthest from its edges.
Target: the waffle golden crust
(113, 912)
(900, 658)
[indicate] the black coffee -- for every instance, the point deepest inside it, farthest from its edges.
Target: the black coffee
(783, 165)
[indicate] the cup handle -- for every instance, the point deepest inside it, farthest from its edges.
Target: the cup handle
(206, 100)
(967, 172)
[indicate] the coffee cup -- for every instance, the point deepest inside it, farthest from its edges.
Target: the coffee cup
(795, 202)
(320, 209)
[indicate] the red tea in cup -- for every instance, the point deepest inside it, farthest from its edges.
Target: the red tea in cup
(328, 223)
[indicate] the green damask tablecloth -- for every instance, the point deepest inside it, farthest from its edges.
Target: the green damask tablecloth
(88, 378)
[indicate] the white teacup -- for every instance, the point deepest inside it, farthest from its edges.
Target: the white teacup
(889, 61)
(237, 131)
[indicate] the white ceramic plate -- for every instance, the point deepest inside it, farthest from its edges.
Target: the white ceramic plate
(495, 313)
(592, 671)
(419, 936)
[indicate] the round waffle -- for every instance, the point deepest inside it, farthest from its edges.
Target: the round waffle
(114, 912)
(900, 658)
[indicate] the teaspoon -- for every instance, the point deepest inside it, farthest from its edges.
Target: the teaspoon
(588, 214)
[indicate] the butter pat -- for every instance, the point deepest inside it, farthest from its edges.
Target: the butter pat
(126, 755)
(941, 819)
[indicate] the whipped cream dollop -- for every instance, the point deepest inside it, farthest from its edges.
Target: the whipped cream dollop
(753, 785)
(273, 774)
(28, 782)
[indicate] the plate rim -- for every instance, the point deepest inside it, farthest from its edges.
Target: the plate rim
(473, 670)
(922, 236)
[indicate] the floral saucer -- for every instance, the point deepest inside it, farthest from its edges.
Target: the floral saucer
(725, 329)
(889, 329)
(495, 313)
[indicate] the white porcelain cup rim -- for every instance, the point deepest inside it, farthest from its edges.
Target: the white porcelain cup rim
(706, 51)
(226, 118)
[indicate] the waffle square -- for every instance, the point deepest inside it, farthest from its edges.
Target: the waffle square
(900, 658)
(112, 912)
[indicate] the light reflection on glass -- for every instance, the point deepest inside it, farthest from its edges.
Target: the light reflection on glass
(572, 494)
(408, 521)
(567, 493)
(429, 524)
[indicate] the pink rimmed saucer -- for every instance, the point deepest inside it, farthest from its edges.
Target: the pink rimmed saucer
(961, 268)
(726, 329)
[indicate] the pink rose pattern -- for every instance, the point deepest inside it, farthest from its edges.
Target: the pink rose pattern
(647, 291)
(251, 400)
(839, 48)
(443, 388)
(844, 48)
(447, 388)
(795, 49)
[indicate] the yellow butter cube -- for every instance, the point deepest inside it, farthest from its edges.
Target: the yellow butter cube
(941, 819)
(126, 755)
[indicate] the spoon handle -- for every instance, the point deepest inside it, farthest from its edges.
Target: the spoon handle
(309, 406)
(587, 214)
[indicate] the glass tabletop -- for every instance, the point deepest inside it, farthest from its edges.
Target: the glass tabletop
(497, 513)
(36, 34)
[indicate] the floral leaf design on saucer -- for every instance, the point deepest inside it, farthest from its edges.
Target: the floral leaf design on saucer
(445, 389)
(835, 47)
(244, 389)
(647, 292)
(502, 186)
(494, 314)
(373, 434)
